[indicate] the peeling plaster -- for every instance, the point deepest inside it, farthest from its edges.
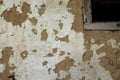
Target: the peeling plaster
(91, 70)
(48, 44)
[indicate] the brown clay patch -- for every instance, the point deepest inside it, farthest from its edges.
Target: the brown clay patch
(34, 31)
(67, 77)
(87, 55)
(64, 65)
(1, 1)
(45, 63)
(62, 53)
(61, 25)
(1, 78)
(41, 10)
(49, 70)
(99, 79)
(111, 62)
(44, 35)
(25, 7)
(6, 53)
(55, 31)
(33, 20)
(54, 50)
(14, 16)
(57, 79)
(66, 38)
(75, 8)
(60, 2)
(35, 50)
(108, 61)
(83, 78)
(50, 55)
(24, 54)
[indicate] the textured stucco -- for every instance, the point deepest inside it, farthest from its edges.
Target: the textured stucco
(45, 40)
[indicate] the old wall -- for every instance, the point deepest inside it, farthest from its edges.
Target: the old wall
(45, 40)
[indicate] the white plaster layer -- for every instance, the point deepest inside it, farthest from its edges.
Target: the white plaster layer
(2, 68)
(0, 53)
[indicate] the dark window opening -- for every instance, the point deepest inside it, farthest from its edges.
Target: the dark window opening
(105, 10)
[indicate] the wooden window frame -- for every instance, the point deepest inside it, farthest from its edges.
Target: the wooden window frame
(89, 25)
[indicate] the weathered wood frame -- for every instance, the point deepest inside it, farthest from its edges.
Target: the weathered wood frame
(89, 25)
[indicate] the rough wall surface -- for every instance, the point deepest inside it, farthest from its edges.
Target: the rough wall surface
(44, 40)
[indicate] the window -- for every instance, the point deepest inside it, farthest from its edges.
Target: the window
(101, 14)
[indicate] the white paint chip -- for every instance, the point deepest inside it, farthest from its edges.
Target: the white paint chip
(2, 68)
(113, 43)
(92, 40)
